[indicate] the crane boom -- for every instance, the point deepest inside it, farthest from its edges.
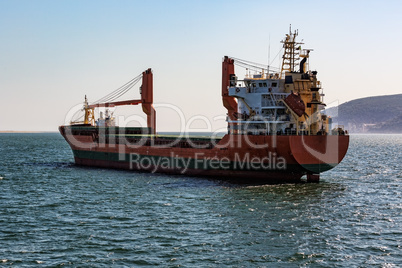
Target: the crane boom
(116, 103)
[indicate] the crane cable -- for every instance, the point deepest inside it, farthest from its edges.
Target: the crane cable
(254, 65)
(119, 91)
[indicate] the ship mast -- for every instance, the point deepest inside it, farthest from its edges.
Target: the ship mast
(89, 117)
(291, 53)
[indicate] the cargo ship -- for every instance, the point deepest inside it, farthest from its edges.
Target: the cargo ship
(277, 130)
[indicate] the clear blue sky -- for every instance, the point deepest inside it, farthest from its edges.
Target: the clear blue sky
(52, 53)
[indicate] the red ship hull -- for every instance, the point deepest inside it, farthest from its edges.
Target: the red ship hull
(249, 158)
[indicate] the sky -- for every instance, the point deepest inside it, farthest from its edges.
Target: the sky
(53, 53)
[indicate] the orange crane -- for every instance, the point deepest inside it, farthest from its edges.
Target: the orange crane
(146, 100)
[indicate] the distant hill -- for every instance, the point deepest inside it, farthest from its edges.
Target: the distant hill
(381, 114)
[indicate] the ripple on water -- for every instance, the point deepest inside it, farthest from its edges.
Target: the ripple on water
(54, 213)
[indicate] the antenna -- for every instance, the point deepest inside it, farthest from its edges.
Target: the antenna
(269, 53)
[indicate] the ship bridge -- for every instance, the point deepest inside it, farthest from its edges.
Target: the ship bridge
(260, 104)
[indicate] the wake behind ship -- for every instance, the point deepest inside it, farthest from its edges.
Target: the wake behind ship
(277, 131)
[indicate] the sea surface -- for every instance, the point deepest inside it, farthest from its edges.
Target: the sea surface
(53, 213)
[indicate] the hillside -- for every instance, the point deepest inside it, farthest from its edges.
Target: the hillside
(381, 114)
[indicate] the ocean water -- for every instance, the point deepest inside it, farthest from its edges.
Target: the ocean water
(53, 213)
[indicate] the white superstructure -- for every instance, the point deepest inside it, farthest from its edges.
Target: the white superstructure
(288, 102)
